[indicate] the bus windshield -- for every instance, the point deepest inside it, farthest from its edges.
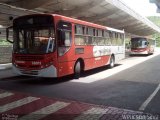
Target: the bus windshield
(138, 43)
(34, 40)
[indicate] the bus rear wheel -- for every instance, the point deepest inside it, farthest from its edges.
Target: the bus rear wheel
(112, 62)
(77, 70)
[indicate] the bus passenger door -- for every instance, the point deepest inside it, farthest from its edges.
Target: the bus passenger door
(64, 45)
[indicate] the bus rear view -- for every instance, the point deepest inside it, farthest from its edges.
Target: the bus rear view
(142, 46)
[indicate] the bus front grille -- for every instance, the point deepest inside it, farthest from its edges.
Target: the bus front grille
(29, 72)
(28, 58)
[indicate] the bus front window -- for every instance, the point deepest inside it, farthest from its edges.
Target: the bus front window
(34, 41)
(138, 43)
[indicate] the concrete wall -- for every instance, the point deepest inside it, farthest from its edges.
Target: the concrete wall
(5, 54)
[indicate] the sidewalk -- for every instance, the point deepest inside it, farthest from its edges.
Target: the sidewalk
(5, 66)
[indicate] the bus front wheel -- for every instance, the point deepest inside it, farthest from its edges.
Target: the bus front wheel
(77, 70)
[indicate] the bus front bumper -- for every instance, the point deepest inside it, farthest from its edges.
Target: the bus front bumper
(50, 71)
(139, 53)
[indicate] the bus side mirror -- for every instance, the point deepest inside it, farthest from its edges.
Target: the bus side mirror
(9, 30)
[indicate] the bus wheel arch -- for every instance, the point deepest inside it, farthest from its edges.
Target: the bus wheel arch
(78, 68)
(112, 61)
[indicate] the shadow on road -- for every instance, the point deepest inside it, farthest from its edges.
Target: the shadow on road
(15, 78)
(35, 80)
(137, 55)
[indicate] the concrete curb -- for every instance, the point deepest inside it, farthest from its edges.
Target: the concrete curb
(5, 66)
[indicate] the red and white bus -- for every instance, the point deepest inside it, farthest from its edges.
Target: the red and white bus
(50, 45)
(142, 45)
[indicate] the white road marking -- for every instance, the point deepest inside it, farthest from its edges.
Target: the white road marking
(125, 64)
(6, 94)
(17, 103)
(39, 114)
(92, 114)
(148, 100)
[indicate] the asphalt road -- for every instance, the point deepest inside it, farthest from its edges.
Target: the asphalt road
(127, 89)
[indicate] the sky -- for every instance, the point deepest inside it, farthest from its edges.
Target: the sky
(143, 7)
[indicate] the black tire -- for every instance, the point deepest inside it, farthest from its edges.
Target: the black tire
(77, 70)
(112, 62)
